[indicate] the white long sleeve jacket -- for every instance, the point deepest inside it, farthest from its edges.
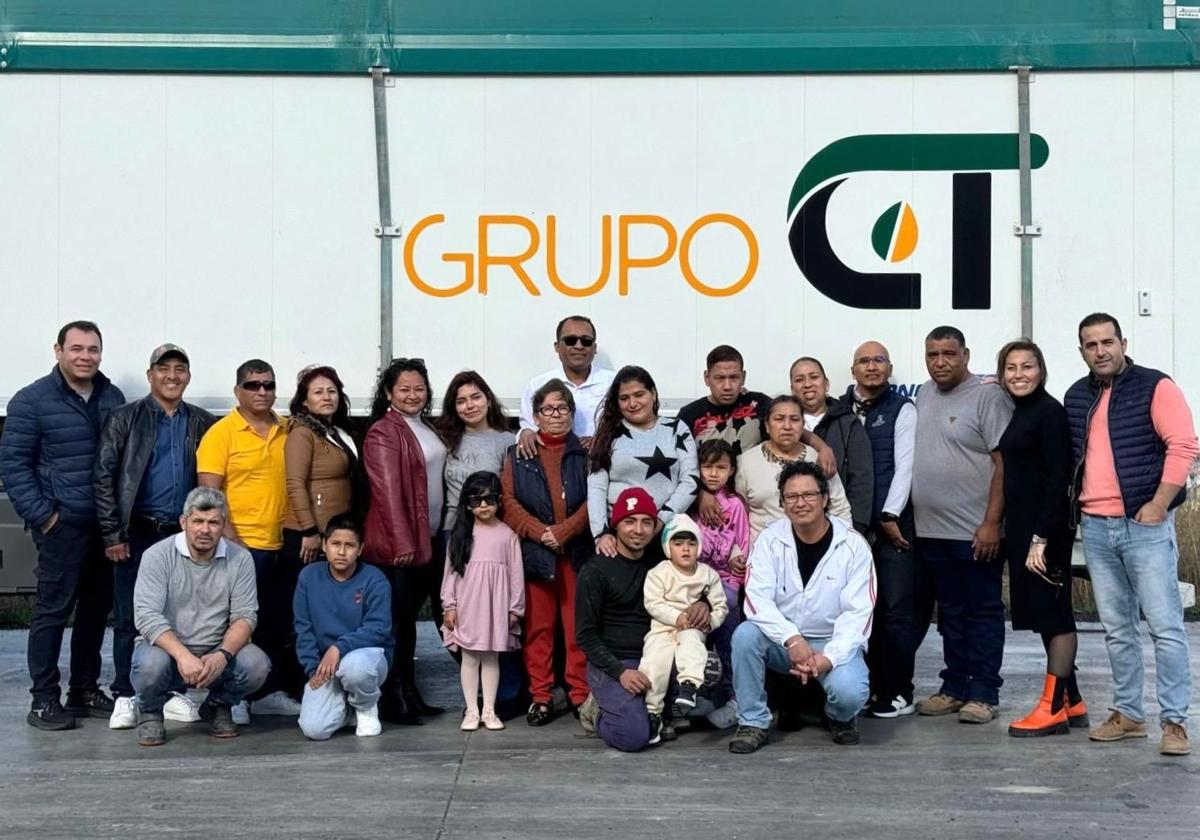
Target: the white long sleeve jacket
(838, 602)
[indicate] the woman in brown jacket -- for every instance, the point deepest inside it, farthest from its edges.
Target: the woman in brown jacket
(404, 458)
(320, 459)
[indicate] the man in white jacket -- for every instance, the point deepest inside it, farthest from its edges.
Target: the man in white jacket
(810, 596)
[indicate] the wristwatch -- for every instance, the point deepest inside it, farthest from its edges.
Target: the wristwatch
(888, 517)
(1036, 540)
(228, 656)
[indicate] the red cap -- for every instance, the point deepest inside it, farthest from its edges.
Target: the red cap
(632, 501)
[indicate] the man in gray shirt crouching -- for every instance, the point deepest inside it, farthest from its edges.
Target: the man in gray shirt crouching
(195, 606)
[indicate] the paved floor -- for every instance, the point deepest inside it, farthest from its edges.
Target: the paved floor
(911, 778)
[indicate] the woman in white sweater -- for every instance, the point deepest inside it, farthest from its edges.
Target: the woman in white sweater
(758, 468)
(634, 447)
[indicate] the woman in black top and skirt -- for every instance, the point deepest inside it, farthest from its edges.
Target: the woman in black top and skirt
(1036, 449)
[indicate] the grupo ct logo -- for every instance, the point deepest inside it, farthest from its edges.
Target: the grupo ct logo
(971, 157)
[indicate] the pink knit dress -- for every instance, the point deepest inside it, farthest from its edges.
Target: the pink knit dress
(491, 587)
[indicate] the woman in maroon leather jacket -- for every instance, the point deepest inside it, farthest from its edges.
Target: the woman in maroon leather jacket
(404, 458)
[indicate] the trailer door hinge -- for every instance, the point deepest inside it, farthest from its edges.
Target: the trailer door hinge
(382, 231)
(1027, 230)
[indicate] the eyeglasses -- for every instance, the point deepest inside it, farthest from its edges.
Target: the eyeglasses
(490, 499)
(258, 385)
(572, 340)
(866, 360)
(555, 410)
(1052, 576)
(811, 497)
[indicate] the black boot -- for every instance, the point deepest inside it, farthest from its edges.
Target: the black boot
(417, 704)
(394, 708)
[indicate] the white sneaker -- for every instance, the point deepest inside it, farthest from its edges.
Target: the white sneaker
(124, 714)
(368, 724)
(181, 708)
(896, 707)
(241, 713)
(276, 703)
(724, 717)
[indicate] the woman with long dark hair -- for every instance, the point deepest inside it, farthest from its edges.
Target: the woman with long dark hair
(476, 435)
(634, 447)
(321, 458)
(1036, 449)
(405, 457)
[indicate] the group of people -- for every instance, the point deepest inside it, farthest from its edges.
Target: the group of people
(751, 557)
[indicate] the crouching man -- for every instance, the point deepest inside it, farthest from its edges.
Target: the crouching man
(810, 595)
(195, 606)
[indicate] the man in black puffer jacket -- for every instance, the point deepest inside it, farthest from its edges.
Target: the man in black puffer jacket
(46, 456)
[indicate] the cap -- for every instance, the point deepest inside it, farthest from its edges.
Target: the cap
(632, 501)
(163, 350)
(679, 525)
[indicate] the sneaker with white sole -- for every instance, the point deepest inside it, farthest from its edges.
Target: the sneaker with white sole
(181, 708)
(367, 723)
(125, 714)
(276, 703)
(241, 713)
(898, 706)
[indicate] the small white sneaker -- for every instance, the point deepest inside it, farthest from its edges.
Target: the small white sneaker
(124, 714)
(241, 713)
(368, 724)
(724, 717)
(181, 708)
(276, 703)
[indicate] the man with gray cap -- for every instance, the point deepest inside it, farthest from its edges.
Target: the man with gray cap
(145, 466)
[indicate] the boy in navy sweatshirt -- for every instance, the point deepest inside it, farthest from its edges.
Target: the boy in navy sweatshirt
(343, 635)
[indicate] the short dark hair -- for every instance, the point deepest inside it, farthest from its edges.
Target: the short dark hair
(1012, 347)
(945, 333)
(82, 326)
(553, 386)
(811, 361)
(585, 319)
(796, 468)
(1095, 320)
(252, 366)
(723, 353)
(344, 522)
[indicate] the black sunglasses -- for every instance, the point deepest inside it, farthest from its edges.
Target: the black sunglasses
(478, 501)
(419, 363)
(257, 385)
(572, 340)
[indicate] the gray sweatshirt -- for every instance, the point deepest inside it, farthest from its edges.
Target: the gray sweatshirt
(661, 460)
(198, 601)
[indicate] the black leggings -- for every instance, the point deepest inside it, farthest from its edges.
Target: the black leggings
(411, 587)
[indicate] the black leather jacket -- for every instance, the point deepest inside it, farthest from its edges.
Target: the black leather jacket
(126, 444)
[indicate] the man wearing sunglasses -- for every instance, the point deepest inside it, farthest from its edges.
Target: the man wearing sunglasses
(575, 344)
(242, 455)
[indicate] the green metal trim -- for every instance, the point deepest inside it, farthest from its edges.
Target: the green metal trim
(620, 36)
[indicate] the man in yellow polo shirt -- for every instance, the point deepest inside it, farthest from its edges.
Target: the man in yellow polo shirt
(242, 455)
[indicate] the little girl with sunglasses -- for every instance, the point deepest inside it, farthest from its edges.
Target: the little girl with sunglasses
(483, 595)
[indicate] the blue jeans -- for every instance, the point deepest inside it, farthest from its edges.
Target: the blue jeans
(359, 675)
(1134, 565)
(722, 643)
(155, 675)
(847, 686)
(623, 722)
(970, 617)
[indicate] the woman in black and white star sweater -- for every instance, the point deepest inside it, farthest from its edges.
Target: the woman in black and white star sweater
(634, 447)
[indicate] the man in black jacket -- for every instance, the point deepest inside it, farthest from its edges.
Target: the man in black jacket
(145, 467)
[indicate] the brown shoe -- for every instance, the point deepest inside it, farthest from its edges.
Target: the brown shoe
(1117, 728)
(976, 711)
(1174, 740)
(939, 704)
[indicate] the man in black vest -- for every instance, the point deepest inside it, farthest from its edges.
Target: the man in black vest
(891, 423)
(1134, 444)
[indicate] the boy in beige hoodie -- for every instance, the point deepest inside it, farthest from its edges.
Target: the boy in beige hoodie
(671, 588)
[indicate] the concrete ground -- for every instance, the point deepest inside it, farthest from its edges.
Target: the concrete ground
(910, 778)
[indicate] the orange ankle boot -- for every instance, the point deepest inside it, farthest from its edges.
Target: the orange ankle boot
(1077, 716)
(1044, 720)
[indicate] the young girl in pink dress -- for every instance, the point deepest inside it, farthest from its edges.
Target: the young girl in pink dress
(483, 595)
